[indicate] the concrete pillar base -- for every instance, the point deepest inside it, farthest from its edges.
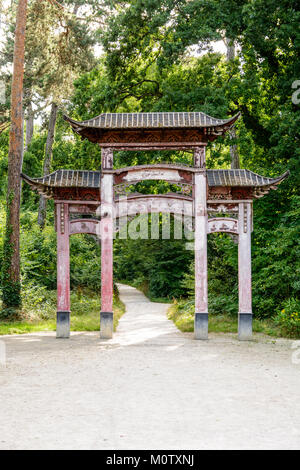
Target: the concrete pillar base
(245, 326)
(106, 325)
(201, 326)
(63, 325)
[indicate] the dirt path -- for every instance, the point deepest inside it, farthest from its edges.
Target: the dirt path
(151, 387)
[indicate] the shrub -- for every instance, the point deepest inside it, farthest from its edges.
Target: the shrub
(288, 319)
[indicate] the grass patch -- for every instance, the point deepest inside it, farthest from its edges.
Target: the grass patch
(41, 314)
(182, 315)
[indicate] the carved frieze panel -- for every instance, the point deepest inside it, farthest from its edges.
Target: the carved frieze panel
(151, 136)
(83, 209)
(84, 226)
(230, 193)
(123, 189)
(135, 175)
(152, 174)
(76, 194)
(220, 208)
(242, 193)
(222, 224)
(219, 193)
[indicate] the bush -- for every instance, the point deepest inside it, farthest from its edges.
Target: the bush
(38, 302)
(288, 319)
(38, 256)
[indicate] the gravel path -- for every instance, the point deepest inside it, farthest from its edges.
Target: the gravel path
(151, 387)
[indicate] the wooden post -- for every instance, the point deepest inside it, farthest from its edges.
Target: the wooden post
(245, 293)
(63, 271)
(106, 233)
(200, 213)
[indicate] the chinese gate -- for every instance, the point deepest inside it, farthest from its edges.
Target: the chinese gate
(218, 201)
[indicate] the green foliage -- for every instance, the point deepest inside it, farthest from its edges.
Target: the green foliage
(288, 319)
(158, 262)
(182, 314)
(150, 65)
(11, 289)
(39, 311)
(4, 143)
(38, 256)
(222, 276)
(275, 257)
(276, 254)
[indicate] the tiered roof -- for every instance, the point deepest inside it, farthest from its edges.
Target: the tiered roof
(215, 178)
(152, 128)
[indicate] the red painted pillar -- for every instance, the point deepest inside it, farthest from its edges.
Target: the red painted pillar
(200, 213)
(106, 233)
(63, 271)
(245, 290)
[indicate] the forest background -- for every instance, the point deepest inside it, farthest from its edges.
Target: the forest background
(83, 58)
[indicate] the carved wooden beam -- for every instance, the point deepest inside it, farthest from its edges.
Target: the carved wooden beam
(84, 226)
(222, 224)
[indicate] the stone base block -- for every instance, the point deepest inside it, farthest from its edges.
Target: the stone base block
(201, 326)
(106, 325)
(245, 326)
(63, 325)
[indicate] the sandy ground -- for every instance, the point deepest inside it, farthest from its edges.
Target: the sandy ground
(151, 387)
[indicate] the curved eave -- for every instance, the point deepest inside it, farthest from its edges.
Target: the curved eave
(285, 175)
(41, 188)
(273, 183)
(219, 124)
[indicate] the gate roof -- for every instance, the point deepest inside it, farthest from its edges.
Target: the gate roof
(77, 179)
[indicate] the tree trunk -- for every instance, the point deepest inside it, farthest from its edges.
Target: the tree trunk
(11, 286)
(29, 126)
(230, 49)
(47, 162)
(234, 153)
(75, 9)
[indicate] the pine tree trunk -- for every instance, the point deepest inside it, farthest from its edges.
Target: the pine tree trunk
(234, 153)
(47, 162)
(11, 287)
(29, 126)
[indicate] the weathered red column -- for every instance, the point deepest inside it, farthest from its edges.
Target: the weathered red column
(63, 271)
(200, 213)
(106, 233)
(245, 291)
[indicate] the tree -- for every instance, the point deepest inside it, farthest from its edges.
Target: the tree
(11, 272)
(66, 52)
(47, 162)
(234, 153)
